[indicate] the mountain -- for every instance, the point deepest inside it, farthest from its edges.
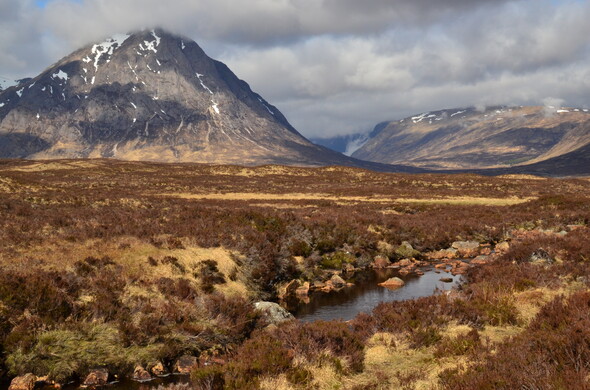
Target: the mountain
(350, 143)
(149, 96)
(497, 137)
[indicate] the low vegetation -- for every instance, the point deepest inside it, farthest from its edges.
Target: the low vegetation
(118, 264)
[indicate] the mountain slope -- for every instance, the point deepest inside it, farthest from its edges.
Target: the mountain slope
(472, 139)
(148, 96)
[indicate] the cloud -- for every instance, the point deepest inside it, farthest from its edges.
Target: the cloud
(341, 66)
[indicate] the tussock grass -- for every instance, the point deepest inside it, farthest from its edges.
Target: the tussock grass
(61, 353)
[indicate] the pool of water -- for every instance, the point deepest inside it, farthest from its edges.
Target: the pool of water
(128, 384)
(366, 294)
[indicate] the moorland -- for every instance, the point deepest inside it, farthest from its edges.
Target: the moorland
(126, 265)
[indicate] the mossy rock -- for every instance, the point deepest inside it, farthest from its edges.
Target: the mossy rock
(406, 250)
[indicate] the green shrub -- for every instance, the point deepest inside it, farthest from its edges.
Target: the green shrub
(337, 260)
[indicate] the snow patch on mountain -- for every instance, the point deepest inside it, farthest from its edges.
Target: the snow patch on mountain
(199, 76)
(60, 75)
(107, 47)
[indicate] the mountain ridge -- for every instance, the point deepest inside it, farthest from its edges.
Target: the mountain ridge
(470, 139)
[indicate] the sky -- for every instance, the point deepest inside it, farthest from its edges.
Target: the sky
(337, 67)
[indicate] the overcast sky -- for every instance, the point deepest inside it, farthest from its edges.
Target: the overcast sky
(341, 66)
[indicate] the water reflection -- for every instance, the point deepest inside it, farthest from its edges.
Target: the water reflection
(366, 294)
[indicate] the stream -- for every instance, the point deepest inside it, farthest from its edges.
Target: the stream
(366, 294)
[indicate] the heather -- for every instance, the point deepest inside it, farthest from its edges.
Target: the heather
(119, 264)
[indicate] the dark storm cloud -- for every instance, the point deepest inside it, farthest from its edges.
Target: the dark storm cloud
(340, 66)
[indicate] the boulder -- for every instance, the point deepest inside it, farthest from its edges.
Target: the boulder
(381, 262)
(406, 250)
(466, 248)
(273, 313)
(23, 382)
(97, 377)
(446, 280)
(394, 282)
(337, 282)
(158, 369)
(140, 374)
(348, 268)
(441, 266)
(185, 364)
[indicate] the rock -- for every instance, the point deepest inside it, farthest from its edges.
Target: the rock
(450, 253)
(485, 251)
(158, 369)
(348, 268)
(273, 313)
(185, 364)
(213, 361)
(381, 262)
(404, 263)
(446, 280)
(23, 382)
(540, 256)
(140, 374)
(466, 248)
(441, 266)
(394, 282)
(97, 377)
(480, 260)
(318, 285)
(407, 270)
(303, 291)
(289, 290)
(502, 247)
(406, 250)
(337, 282)
(419, 273)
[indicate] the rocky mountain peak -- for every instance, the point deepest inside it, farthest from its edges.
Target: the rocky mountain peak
(149, 95)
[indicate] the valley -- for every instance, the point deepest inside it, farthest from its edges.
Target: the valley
(141, 269)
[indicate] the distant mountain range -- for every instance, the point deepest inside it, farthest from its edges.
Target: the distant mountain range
(494, 138)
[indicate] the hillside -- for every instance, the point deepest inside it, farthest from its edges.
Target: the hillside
(498, 137)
